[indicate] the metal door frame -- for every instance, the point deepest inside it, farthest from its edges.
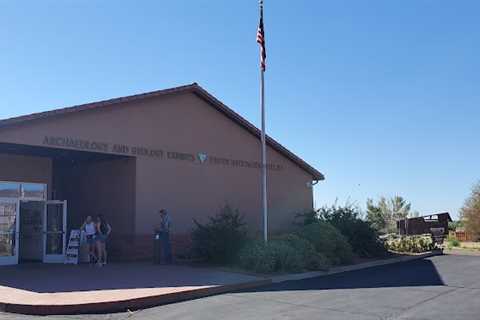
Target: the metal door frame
(54, 258)
(11, 260)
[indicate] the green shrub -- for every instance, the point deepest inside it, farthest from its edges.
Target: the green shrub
(306, 218)
(360, 235)
(411, 244)
(453, 242)
(328, 241)
(287, 258)
(255, 256)
(274, 256)
(312, 259)
(220, 240)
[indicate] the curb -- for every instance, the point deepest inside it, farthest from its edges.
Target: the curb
(130, 304)
(360, 266)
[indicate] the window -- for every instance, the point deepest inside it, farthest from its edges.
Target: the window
(34, 190)
(9, 190)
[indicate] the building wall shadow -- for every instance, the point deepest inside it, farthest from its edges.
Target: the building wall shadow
(409, 274)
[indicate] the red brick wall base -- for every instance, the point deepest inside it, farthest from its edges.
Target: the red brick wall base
(140, 247)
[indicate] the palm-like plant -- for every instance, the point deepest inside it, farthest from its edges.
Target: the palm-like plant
(400, 208)
(386, 212)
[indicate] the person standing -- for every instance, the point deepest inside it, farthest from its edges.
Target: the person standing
(163, 230)
(103, 231)
(90, 230)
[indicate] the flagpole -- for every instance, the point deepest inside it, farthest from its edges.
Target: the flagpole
(264, 157)
(261, 41)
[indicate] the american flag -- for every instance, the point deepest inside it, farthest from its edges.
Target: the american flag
(261, 39)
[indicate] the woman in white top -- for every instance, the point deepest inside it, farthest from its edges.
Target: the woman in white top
(90, 229)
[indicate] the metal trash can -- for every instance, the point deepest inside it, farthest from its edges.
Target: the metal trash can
(157, 248)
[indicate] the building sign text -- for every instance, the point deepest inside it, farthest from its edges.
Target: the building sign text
(200, 158)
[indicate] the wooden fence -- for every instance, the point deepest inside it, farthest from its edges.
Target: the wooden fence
(461, 235)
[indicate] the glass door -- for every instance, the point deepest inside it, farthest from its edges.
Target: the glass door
(30, 244)
(9, 230)
(54, 230)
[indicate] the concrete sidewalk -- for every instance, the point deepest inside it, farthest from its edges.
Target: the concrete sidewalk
(43, 289)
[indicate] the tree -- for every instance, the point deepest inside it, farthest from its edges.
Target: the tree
(376, 217)
(383, 215)
(470, 212)
(454, 225)
(399, 207)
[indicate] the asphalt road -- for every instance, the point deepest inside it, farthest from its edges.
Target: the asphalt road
(438, 288)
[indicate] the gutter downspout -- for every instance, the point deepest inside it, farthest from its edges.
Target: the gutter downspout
(313, 183)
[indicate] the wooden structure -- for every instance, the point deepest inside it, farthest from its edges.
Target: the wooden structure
(463, 235)
(424, 224)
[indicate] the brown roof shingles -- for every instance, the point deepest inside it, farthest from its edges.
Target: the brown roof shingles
(194, 88)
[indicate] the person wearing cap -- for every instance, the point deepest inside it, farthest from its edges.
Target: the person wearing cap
(163, 230)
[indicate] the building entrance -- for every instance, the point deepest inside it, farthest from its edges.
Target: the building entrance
(32, 228)
(31, 231)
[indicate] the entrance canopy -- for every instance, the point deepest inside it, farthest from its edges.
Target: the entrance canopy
(31, 177)
(72, 156)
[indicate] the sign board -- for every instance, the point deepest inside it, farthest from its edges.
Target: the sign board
(71, 256)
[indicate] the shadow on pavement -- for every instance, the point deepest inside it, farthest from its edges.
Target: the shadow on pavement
(48, 278)
(410, 274)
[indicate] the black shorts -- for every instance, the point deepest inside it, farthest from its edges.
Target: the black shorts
(91, 239)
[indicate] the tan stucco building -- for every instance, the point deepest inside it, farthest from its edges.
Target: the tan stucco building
(179, 149)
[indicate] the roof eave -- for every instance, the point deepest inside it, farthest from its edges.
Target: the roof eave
(195, 88)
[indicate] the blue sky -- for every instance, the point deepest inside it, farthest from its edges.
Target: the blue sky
(381, 96)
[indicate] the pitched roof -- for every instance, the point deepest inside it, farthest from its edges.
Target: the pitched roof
(193, 88)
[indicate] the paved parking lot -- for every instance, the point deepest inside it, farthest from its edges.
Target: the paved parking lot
(437, 288)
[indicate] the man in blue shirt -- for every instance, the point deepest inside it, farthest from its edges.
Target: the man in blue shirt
(164, 234)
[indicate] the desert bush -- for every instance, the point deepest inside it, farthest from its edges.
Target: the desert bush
(221, 238)
(411, 244)
(328, 241)
(274, 256)
(365, 241)
(306, 218)
(312, 259)
(452, 242)
(361, 236)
